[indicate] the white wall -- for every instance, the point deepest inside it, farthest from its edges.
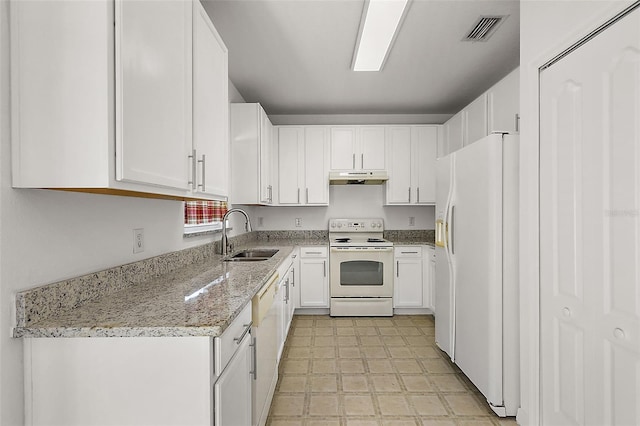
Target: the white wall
(345, 201)
(547, 28)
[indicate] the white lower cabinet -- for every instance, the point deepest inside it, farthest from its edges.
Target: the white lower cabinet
(140, 380)
(412, 285)
(314, 277)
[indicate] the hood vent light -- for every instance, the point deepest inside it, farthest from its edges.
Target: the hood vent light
(484, 28)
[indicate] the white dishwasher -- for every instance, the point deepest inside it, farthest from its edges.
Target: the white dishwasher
(266, 325)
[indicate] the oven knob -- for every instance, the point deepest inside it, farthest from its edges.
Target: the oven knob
(339, 225)
(333, 225)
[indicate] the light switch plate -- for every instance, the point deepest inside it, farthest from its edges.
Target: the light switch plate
(138, 240)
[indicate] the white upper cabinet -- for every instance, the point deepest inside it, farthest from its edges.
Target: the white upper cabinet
(303, 158)
(496, 110)
(358, 148)
(100, 108)
(371, 149)
(210, 108)
(503, 104)
(316, 166)
(454, 131)
(399, 160)
(475, 120)
(251, 155)
(153, 81)
(411, 158)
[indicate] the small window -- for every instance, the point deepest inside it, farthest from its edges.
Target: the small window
(203, 216)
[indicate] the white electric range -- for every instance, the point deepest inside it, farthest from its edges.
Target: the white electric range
(360, 268)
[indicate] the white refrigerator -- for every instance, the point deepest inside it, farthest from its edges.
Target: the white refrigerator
(476, 305)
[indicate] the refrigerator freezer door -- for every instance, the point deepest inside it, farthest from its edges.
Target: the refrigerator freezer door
(444, 289)
(477, 259)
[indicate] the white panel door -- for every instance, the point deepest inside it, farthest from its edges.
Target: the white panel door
(455, 132)
(475, 121)
(154, 91)
(371, 148)
(232, 390)
(289, 145)
(316, 166)
(590, 231)
(210, 107)
(425, 140)
(314, 283)
(399, 159)
(343, 140)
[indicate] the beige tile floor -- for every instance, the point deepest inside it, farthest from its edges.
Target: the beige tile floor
(372, 371)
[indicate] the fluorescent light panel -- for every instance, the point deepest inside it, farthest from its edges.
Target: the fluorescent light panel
(377, 31)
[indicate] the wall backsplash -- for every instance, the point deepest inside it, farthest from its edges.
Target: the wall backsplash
(364, 201)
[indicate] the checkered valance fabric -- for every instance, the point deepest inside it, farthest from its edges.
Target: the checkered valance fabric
(203, 212)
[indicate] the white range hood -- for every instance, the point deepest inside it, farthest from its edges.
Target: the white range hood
(377, 177)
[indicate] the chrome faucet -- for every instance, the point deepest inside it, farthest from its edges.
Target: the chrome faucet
(224, 243)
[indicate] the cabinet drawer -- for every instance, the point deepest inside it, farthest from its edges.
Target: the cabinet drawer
(316, 251)
(408, 251)
(226, 345)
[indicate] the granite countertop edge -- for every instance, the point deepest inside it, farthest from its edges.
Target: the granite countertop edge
(138, 311)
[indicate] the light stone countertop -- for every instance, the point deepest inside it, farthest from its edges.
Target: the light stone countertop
(201, 299)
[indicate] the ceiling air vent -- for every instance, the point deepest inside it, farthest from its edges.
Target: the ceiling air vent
(484, 28)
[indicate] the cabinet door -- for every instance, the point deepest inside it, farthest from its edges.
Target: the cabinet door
(399, 159)
(372, 141)
(424, 143)
(316, 166)
(455, 132)
(408, 286)
(343, 140)
(475, 124)
(503, 101)
(266, 148)
(153, 92)
(210, 107)
(289, 165)
(232, 390)
(314, 285)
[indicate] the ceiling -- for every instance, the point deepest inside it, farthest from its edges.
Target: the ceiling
(294, 56)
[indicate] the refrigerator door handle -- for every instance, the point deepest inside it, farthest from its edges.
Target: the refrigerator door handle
(451, 225)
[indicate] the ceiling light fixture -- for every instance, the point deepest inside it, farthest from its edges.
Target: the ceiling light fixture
(379, 26)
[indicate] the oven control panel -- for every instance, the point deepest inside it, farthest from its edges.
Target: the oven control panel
(356, 225)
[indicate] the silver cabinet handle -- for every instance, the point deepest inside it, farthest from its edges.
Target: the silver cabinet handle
(298, 195)
(397, 268)
(192, 182)
(203, 175)
(409, 252)
(244, 333)
(354, 161)
(517, 122)
(324, 266)
(254, 369)
(307, 191)
(314, 252)
(409, 194)
(286, 294)
(417, 194)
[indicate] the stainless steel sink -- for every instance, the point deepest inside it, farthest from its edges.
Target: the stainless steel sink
(252, 255)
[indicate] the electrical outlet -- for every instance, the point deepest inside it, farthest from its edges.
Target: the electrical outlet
(298, 222)
(260, 221)
(412, 221)
(138, 240)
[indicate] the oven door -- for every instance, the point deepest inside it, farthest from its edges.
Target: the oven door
(361, 271)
